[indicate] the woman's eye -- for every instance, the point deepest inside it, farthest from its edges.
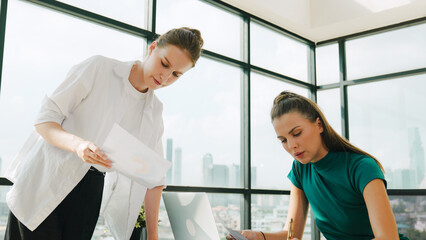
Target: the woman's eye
(164, 65)
(175, 74)
(284, 140)
(297, 134)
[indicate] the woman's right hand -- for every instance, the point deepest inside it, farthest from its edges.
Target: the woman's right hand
(90, 153)
(249, 234)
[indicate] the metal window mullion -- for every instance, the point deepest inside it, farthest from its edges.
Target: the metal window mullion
(245, 128)
(94, 17)
(3, 14)
(313, 92)
(152, 15)
(343, 90)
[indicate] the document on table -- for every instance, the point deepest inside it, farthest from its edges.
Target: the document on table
(133, 158)
(235, 234)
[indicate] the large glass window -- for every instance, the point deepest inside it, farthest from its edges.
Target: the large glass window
(37, 56)
(269, 213)
(410, 215)
(202, 125)
(271, 163)
(277, 52)
(220, 29)
(388, 52)
(327, 64)
(329, 103)
(387, 119)
(4, 209)
(133, 12)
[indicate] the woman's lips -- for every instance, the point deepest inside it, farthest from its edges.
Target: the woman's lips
(157, 82)
(299, 154)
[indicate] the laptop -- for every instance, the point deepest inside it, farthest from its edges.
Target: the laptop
(190, 216)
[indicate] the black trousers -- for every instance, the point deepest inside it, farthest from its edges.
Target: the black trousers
(75, 217)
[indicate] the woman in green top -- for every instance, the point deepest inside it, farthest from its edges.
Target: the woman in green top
(344, 185)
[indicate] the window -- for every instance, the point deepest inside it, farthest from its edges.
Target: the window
(388, 52)
(271, 163)
(387, 120)
(327, 64)
(329, 103)
(277, 52)
(221, 30)
(38, 54)
(133, 12)
(269, 213)
(409, 212)
(202, 125)
(4, 209)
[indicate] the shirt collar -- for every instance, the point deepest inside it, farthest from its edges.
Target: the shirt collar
(328, 161)
(122, 70)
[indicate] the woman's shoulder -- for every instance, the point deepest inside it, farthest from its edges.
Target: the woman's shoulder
(363, 162)
(158, 104)
(101, 60)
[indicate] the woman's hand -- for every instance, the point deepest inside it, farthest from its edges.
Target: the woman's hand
(90, 153)
(249, 234)
(54, 134)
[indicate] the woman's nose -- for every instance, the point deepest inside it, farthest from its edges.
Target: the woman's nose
(291, 143)
(165, 75)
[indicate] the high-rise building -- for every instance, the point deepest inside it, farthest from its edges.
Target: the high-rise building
(207, 169)
(177, 167)
(169, 156)
(234, 175)
(405, 178)
(220, 175)
(417, 157)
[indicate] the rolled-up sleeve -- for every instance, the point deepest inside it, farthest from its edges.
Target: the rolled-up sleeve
(70, 93)
(159, 150)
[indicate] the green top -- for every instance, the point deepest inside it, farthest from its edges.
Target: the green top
(334, 188)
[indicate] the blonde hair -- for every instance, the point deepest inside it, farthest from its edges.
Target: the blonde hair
(187, 39)
(287, 102)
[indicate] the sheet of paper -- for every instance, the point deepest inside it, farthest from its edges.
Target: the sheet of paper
(235, 234)
(133, 158)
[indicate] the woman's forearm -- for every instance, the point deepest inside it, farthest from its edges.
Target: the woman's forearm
(54, 134)
(87, 151)
(152, 205)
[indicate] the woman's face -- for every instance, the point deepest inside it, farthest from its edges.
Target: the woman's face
(300, 137)
(164, 65)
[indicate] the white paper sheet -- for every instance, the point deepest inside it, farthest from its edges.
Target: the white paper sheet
(133, 158)
(235, 234)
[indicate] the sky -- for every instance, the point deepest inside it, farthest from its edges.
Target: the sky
(202, 111)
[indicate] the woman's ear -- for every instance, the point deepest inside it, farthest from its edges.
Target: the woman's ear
(320, 124)
(152, 46)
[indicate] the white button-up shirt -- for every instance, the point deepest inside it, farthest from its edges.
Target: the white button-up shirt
(95, 94)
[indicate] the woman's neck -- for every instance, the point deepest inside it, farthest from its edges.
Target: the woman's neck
(136, 77)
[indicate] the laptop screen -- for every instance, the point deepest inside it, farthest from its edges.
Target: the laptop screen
(190, 216)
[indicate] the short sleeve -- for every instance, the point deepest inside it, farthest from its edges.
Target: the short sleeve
(76, 86)
(294, 175)
(363, 171)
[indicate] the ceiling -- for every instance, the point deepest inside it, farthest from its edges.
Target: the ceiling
(319, 20)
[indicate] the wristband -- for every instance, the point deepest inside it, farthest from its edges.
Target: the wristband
(264, 238)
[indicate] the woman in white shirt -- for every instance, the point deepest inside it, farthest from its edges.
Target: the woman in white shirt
(58, 176)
